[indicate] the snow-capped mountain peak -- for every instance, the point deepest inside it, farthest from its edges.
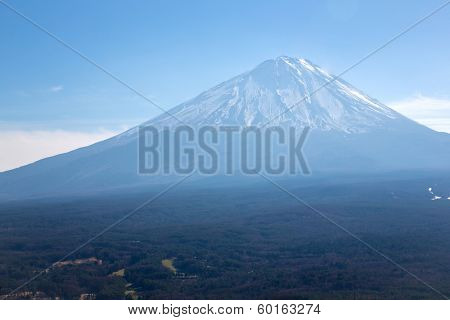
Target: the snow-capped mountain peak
(284, 91)
(351, 132)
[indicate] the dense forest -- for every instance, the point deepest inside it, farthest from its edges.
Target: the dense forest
(243, 241)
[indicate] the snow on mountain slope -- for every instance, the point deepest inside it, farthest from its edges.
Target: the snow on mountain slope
(266, 92)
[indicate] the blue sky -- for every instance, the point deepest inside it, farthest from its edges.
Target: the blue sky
(172, 50)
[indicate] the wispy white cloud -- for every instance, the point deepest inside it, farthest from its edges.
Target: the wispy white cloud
(21, 147)
(56, 88)
(429, 111)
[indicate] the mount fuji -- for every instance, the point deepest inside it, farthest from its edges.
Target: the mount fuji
(351, 132)
(263, 96)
